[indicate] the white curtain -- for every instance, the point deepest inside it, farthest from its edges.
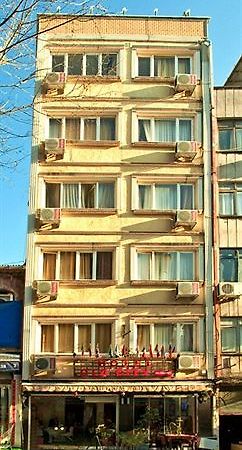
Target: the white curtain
(144, 260)
(238, 136)
(165, 196)
(55, 128)
(164, 67)
(186, 196)
(107, 129)
(184, 65)
(186, 337)
(165, 130)
(226, 203)
(185, 130)
(70, 196)
(186, 266)
(165, 266)
(228, 335)
(239, 203)
(145, 196)
(145, 130)
(105, 195)
(88, 195)
(165, 334)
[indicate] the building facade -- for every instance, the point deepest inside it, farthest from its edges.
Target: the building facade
(119, 303)
(11, 311)
(228, 249)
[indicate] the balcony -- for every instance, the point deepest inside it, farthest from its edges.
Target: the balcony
(104, 367)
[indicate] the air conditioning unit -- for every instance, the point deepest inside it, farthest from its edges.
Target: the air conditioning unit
(6, 298)
(186, 149)
(47, 215)
(189, 362)
(188, 289)
(56, 146)
(186, 82)
(45, 287)
(227, 289)
(186, 217)
(44, 363)
(55, 80)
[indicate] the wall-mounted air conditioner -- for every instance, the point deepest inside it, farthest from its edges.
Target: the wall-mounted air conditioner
(189, 362)
(188, 289)
(44, 363)
(45, 287)
(54, 146)
(55, 80)
(6, 298)
(186, 82)
(186, 149)
(229, 289)
(49, 215)
(186, 218)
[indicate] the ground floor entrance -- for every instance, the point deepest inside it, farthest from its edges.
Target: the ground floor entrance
(122, 420)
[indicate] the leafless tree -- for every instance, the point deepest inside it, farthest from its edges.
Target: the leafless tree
(18, 32)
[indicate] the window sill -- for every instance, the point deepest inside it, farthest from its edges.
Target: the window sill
(230, 216)
(148, 145)
(149, 212)
(93, 143)
(94, 78)
(160, 80)
(87, 283)
(88, 211)
(138, 283)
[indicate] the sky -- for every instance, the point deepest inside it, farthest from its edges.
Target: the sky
(226, 36)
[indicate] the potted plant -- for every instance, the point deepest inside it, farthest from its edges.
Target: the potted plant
(106, 434)
(151, 421)
(134, 439)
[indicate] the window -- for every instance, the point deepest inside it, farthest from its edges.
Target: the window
(165, 196)
(231, 335)
(163, 66)
(79, 129)
(80, 195)
(166, 266)
(230, 264)
(102, 64)
(165, 130)
(230, 199)
(77, 265)
(230, 135)
(78, 338)
(178, 335)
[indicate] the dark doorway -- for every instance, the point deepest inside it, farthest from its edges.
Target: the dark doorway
(230, 431)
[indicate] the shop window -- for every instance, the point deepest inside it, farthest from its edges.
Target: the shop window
(230, 136)
(230, 264)
(165, 130)
(231, 335)
(166, 266)
(178, 335)
(80, 195)
(165, 196)
(230, 199)
(162, 66)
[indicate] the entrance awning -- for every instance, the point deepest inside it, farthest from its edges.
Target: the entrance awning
(118, 387)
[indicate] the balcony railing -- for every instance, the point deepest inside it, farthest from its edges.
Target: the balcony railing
(104, 367)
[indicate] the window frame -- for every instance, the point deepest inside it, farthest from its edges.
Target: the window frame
(79, 184)
(76, 347)
(82, 127)
(232, 125)
(231, 189)
(234, 323)
(77, 278)
(152, 251)
(83, 68)
(153, 185)
(178, 323)
(139, 117)
(152, 65)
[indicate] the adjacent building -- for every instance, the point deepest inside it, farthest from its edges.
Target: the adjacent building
(228, 251)
(11, 311)
(119, 302)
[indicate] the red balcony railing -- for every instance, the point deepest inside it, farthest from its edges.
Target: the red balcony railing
(104, 367)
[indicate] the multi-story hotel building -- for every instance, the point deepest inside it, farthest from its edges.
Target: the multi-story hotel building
(228, 251)
(119, 306)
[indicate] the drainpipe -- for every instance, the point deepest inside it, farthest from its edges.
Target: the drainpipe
(206, 93)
